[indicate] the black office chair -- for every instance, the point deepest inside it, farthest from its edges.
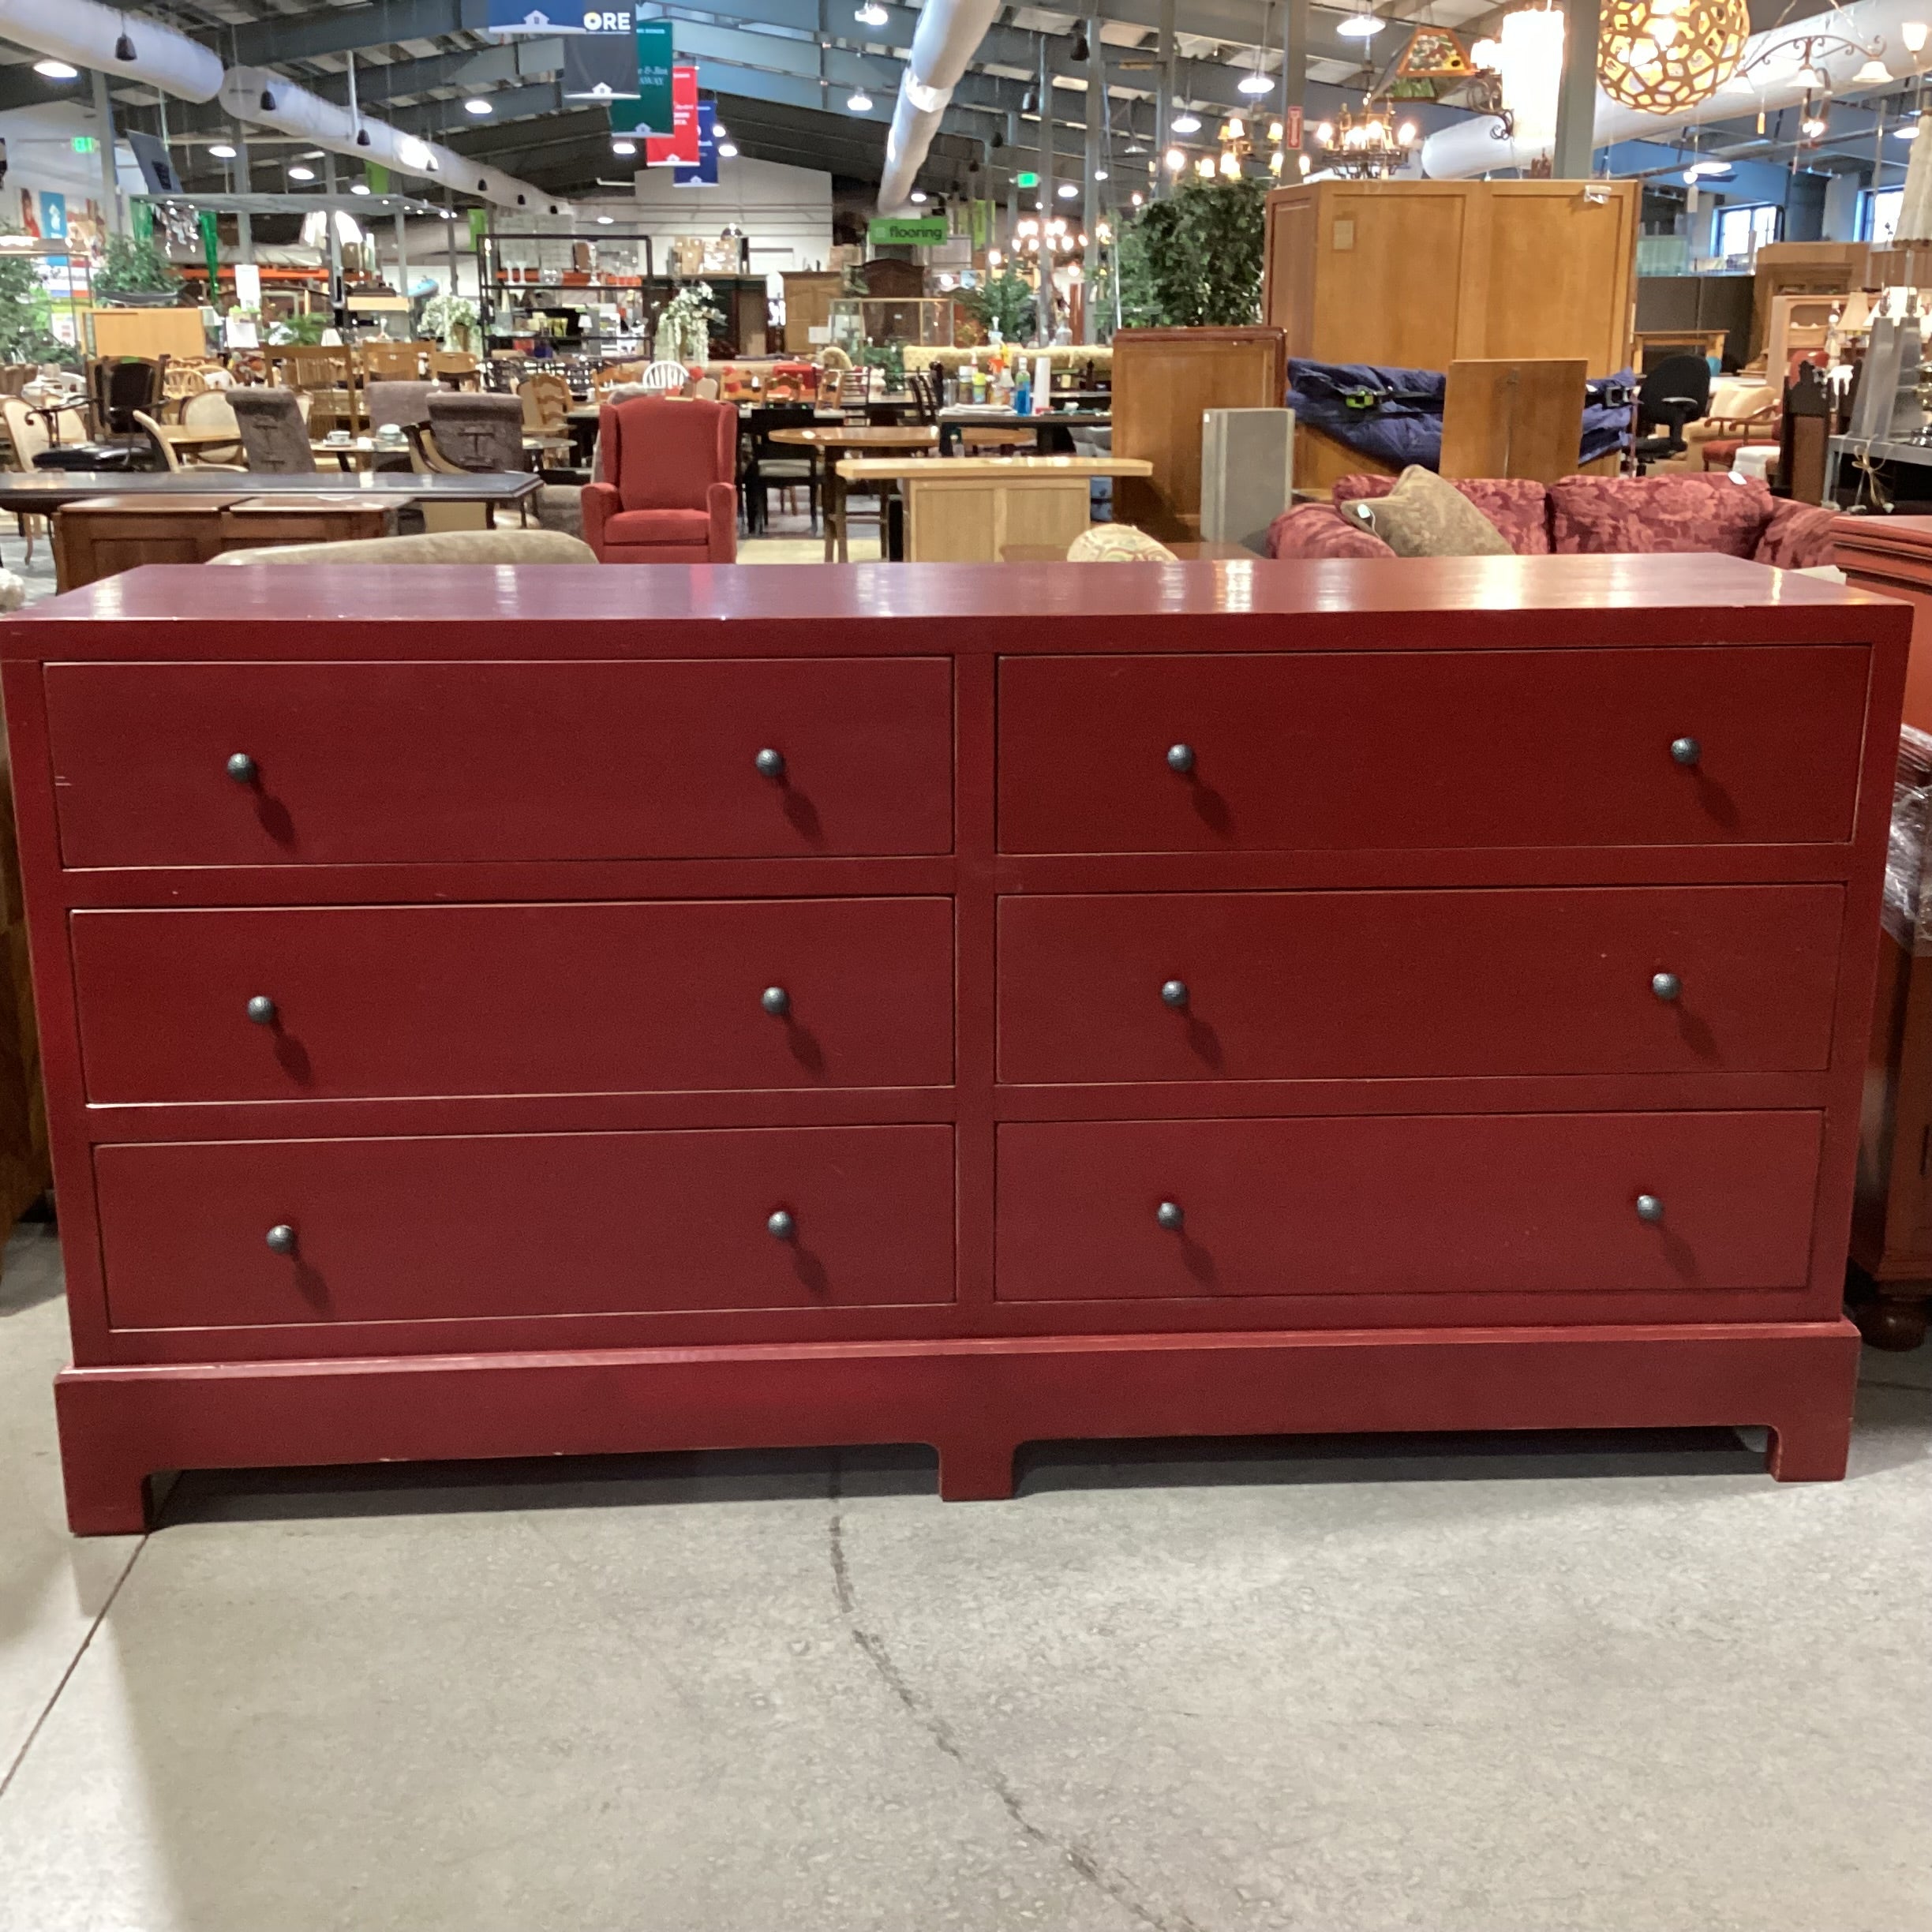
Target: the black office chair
(1675, 392)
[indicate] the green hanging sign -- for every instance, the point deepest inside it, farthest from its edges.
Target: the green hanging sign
(906, 230)
(210, 251)
(479, 226)
(651, 112)
(377, 177)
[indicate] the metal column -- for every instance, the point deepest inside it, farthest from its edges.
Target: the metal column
(1043, 299)
(244, 223)
(110, 185)
(1013, 183)
(1575, 156)
(1294, 75)
(1163, 99)
(337, 312)
(1096, 110)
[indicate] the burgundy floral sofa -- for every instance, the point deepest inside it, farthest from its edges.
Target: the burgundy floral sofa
(1591, 516)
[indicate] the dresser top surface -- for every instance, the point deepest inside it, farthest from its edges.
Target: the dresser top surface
(177, 612)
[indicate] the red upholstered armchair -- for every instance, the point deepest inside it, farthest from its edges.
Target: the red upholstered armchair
(671, 495)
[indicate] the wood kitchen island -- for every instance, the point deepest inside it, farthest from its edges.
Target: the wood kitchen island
(501, 1012)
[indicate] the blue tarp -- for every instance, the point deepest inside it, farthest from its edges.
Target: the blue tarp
(1395, 415)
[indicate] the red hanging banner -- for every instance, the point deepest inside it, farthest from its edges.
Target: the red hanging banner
(680, 145)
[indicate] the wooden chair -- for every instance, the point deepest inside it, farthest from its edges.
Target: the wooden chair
(328, 378)
(546, 404)
(392, 362)
(27, 436)
(164, 448)
(459, 370)
(664, 379)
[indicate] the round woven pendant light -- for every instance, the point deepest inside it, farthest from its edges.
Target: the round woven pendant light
(1662, 55)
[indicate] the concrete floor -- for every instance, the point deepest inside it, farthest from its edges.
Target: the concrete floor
(1621, 1685)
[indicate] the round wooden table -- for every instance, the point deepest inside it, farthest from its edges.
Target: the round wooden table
(835, 437)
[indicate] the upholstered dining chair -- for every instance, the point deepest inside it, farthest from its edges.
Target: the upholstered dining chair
(477, 431)
(671, 495)
(275, 433)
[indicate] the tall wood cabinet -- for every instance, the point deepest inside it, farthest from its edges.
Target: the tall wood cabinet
(1420, 273)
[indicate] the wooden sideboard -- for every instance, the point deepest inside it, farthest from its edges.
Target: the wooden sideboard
(712, 1007)
(103, 536)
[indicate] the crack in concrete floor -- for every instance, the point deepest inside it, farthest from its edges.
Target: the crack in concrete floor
(872, 1644)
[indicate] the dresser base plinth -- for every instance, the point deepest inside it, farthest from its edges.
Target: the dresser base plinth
(976, 1401)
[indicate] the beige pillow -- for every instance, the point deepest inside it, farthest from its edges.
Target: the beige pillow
(1423, 516)
(1117, 543)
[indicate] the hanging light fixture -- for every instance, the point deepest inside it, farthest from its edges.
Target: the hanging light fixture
(1367, 149)
(1662, 56)
(859, 101)
(871, 14)
(1361, 24)
(1186, 121)
(52, 69)
(1913, 34)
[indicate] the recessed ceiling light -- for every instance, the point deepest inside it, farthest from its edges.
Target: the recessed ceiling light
(301, 174)
(221, 151)
(728, 151)
(604, 221)
(1186, 121)
(624, 146)
(479, 107)
(359, 188)
(859, 101)
(51, 69)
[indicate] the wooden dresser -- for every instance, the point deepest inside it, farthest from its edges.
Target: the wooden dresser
(500, 1013)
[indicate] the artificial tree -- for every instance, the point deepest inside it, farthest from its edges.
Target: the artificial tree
(1202, 248)
(26, 334)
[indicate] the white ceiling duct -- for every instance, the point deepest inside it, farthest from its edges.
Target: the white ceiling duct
(85, 34)
(947, 35)
(255, 95)
(1470, 147)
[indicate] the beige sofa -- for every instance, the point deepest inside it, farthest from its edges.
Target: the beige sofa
(503, 546)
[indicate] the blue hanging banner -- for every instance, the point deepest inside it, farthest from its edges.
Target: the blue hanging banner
(705, 173)
(601, 65)
(533, 16)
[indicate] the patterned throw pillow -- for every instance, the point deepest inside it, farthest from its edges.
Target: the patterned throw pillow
(1677, 512)
(1117, 543)
(1423, 516)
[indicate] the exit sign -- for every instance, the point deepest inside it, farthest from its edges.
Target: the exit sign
(86, 143)
(1027, 180)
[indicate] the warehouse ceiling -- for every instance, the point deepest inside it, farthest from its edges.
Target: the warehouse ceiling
(781, 72)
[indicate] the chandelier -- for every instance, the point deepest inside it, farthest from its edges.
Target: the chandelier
(1662, 56)
(1364, 149)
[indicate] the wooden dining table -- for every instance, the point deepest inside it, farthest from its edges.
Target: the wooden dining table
(866, 439)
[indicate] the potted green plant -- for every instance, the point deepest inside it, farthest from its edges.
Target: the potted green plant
(136, 273)
(26, 331)
(1201, 247)
(452, 319)
(1004, 301)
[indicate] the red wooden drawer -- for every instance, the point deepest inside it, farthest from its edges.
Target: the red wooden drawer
(524, 1224)
(386, 1001)
(369, 763)
(1385, 985)
(1430, 748)
(1405, 1205)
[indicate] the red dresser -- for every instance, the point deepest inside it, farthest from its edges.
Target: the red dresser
(499, 1012)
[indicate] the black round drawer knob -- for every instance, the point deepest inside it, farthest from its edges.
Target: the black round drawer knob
(1173, 992)
(241, 769)
(1169, 1214)
(771, 764)
(1686, 750)
(776, 1001)
(261, 1010)
(780, 1227)
(281, 1238)
(1649, 1208)
(1666, 986)
(1180, 758)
